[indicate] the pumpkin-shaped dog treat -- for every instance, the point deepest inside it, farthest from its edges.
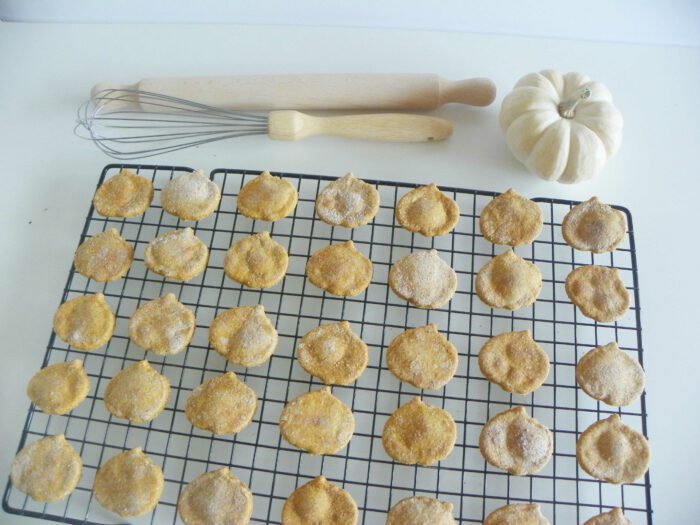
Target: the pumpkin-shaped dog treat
(593, 226)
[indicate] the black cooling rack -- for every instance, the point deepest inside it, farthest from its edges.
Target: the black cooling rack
(270, 466)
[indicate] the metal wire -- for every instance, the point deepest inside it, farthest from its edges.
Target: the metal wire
(258, 455)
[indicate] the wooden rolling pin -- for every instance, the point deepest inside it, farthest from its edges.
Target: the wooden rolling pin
(373, 91)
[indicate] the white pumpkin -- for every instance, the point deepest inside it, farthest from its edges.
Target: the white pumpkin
(562, 127)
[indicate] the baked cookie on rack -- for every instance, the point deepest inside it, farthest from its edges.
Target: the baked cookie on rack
(608, 374)
(428, 211)
(319, 501)
(613, 517)
(243, 335)
(423, 279)
(422, 357)
(104, 257)
(598, 291)
(47, 470)
(511, 220)
(420, 510)
(267, 198)
(124, 195)
(317, 422)
(516, 442)
(593, 226)
(340, 269)
(191, 196)
(137, 393)
(163, 326)
(517, 514)
(256, 261)
(58, 389)
(85, 323)
(177, 254)
(333, 353)
(508, 282)
(215, 498)
(419, 434)
(348, 202)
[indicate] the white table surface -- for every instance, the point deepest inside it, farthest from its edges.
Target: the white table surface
(48, 175)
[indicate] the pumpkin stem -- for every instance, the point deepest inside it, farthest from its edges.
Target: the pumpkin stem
(566, 108)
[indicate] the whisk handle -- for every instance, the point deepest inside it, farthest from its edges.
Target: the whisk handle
(386, 127)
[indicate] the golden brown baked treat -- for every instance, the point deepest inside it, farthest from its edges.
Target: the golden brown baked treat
(599, 292)
(163, 326)
(516, 442)
(419, 434)
(509, 282)
(347, 202)
(215, 498)
(137, 393)
(515, 362)
(243, 335)
(613, 517)
(611, 451)
(511, 219)
(340, 269)
(177, 255)
(333, 353)
(221, 405)
(420, 510)
(321, 503)
(256, 261)
(267, 198)
(423, 279)
(47, 470)
(58, 389)
(518, 514)
(124, 195)
(85, 323)
(317, 422)
(104, 257)
(609, 375)
(594, 227)
(422, 357)
(428, 211)
(191, 196)
(129, 484)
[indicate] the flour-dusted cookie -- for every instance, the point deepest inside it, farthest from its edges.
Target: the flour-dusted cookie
(593, 226)
(608, 374)
(191, 196)
(423, 279)
(256, 261)
(221, 405)
(611, 451)
(613, 517)
(599, 292)
(428, 211)
(58, 389)
(340, 269)
(137, 393)
(177, 255)
(104, 258)
(244, 335)
(215, 498)
(319, 502)
(421, 510)
(518, 514)
(333, 353)
(85, 323)
(163, 326)
(516, 442)
(317, 422)
(47, 470)
(419, 434)
(129, 484)
(348, 202)
(267, 198)
(515, 362)
(511, 219)
(422, 357)
(509, 282)
(124, 195)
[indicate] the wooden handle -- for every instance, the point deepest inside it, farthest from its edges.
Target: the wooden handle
(387, 127)
(374, 91)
